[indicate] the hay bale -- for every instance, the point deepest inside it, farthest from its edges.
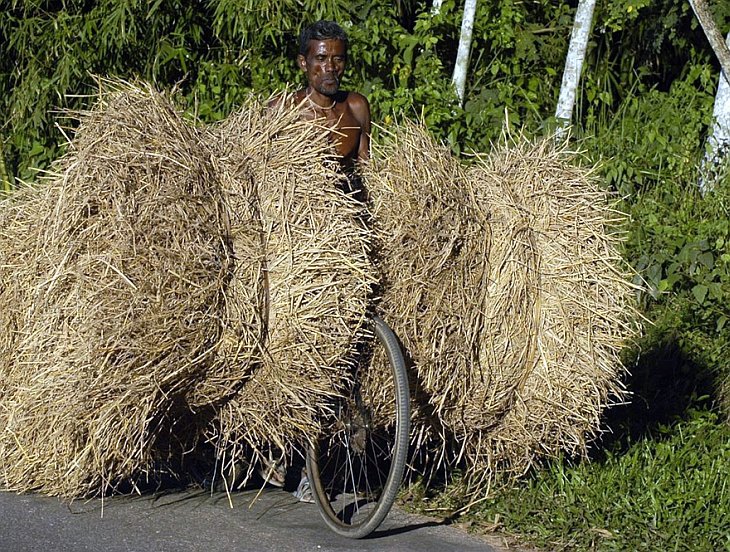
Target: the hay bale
(456, 292)
(166, 284)
(313, 285)
(112, 300)
(490, 274)
(585, 301)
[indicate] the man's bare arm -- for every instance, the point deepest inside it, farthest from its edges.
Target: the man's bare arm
(361, 111)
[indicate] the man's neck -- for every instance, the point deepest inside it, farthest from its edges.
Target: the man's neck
(320, 100)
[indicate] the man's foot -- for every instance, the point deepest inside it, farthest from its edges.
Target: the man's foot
(304, 490)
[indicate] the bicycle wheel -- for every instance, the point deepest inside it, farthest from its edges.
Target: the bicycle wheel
(356, 467)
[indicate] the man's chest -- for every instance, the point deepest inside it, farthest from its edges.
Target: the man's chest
(345, 133)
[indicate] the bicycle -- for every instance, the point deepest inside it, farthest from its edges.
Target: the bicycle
(356, 465)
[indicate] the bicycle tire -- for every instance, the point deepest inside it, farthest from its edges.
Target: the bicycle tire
(353, 449)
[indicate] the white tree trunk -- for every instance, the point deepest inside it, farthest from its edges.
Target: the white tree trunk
(462, 54)
(582, 26)
(713, 34)
(436, 7)
(719, 139)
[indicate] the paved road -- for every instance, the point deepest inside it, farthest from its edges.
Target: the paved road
(197, 521)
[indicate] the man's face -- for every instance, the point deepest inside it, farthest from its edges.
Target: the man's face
(324, 65)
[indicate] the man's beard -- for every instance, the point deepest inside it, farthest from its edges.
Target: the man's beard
(329, 88)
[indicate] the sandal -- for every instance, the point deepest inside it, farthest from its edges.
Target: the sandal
(273, 471)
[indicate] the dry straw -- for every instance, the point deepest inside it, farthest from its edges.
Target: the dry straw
(504, 282)
(169, 284)
(304, 250)
(112, 276)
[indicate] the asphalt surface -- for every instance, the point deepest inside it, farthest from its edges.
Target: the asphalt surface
(198, 521)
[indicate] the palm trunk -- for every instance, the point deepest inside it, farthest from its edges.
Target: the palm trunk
(462, 54)
(719, 140)
(582, 25)
(713, 34)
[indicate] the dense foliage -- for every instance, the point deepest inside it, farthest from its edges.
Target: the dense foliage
(644, 112)
(403, 55)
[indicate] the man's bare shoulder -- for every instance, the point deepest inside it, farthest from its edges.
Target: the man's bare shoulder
(360, 108)
(357, 100)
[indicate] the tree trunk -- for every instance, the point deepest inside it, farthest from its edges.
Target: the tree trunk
(582, 26)
(462, 54)
(713, 34)
(719, 140)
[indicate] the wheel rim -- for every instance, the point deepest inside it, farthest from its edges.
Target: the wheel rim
(356, 470)
(352, 467)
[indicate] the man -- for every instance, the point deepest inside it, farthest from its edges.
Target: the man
(323, 57)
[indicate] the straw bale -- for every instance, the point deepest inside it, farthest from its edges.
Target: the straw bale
(167, 284)
(455, 291)
(585, 313)
(112, 300)
(504, 284)
(313, 284)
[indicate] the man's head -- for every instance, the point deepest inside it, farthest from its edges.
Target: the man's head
(323, 56)
(321, 30)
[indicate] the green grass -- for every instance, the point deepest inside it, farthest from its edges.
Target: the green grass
(666, 491)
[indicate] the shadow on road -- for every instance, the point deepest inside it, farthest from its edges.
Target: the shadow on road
(405, 529)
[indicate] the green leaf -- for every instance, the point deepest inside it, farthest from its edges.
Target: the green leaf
(707, 259)
(700, 292)
(36, 149)
(721, 322)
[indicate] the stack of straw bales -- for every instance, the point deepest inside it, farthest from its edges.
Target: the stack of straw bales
(170, 285)
(113, 274)
(505, 284)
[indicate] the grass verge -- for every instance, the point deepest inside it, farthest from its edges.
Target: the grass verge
(669, 490)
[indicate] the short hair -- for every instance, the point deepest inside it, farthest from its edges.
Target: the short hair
(321, 30)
